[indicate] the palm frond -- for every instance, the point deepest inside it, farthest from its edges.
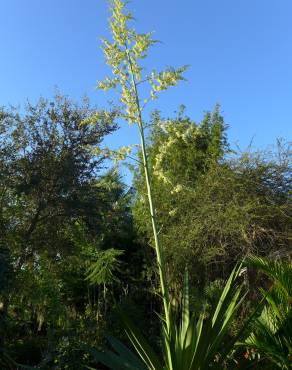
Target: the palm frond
(272, 335)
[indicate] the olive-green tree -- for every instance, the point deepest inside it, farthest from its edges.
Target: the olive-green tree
(59, 215)
(214, 205)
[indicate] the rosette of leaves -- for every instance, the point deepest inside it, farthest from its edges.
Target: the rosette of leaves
(194, 342)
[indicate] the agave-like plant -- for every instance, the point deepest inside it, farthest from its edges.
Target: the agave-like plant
(272, 331)
(195, 343)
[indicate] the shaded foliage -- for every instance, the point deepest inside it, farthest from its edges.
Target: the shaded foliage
(271, 338)
(60, 212)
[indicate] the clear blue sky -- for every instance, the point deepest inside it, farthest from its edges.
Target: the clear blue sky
(239, 52)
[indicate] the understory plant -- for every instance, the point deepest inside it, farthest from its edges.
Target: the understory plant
(192, 342)
(271, 339)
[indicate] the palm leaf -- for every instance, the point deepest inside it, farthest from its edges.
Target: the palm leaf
(140, 343)
(272, 336)
(121, 359)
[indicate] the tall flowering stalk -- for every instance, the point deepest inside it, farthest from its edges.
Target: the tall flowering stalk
(192, 343)
(124, 54)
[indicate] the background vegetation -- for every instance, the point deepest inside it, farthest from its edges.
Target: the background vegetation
(64, 215)
(76, 242)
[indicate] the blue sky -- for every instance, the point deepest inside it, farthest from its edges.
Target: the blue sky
(239, 52)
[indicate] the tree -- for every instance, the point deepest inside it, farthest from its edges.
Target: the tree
(58, 212)
(51, 171)
(214, 205)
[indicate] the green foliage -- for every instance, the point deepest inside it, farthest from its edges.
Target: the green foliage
(5, 268)
(194, 343)
(5, 280)
(50, 175)
(272, 331)
(69, 252)
(122, 358)
(102, 270)
(183, 158)
(212, 208)
(42, 297)
(58, 215)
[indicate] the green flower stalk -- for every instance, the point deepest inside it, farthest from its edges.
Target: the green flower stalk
(193, 343)
(124, 54)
